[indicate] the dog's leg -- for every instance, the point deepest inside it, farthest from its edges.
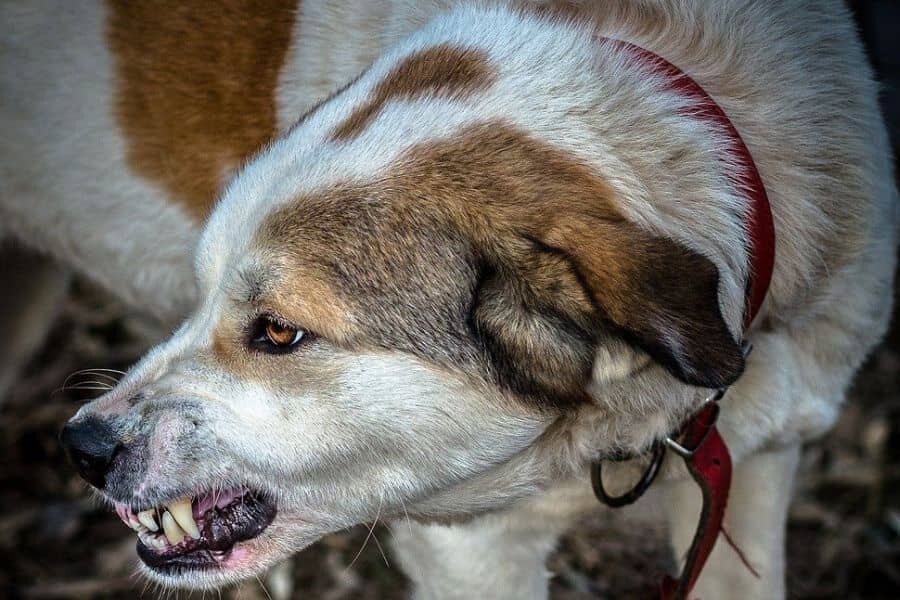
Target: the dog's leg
(277, 584)
(280, 580)
(754, 521)
(497, 556)
(33, 288)
(491, 557)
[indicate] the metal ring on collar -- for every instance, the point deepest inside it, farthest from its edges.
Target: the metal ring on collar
(659, 452)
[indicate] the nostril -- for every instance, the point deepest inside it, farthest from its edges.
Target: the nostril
(91, 444)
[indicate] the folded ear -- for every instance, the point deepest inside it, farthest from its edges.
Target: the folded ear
(543, 316)
(531, 320)
(656, 293)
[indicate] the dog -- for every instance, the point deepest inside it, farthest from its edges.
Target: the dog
(435, 259)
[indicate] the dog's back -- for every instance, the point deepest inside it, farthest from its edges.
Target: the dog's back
(125, 120)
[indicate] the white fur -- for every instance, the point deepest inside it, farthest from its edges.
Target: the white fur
(388, 444)
(64, 184)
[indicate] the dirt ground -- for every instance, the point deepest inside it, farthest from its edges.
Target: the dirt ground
(55, 542)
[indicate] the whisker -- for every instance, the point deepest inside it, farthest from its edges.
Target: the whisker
(106, 370)
(381, 550)
(105, 376)
(90, 382)
(375, 537)
(262, 585)
(368, 536)
(87, 385)
(95, 372)
(406, 514)
(79, 388)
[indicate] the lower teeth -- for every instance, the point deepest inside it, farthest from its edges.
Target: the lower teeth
(152, 541)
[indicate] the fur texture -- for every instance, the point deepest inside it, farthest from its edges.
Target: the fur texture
(512, 258)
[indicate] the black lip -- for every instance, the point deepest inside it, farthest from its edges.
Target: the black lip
(175, 562)
(244, 519)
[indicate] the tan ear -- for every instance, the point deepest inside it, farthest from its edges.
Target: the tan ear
(564, 268)
(531, 320)
(655, 293)
(543, 312)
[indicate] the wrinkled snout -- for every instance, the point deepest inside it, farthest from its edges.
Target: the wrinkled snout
(91, 444)
(151, 452)
(130, 448)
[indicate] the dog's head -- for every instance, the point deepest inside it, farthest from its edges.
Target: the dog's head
(405, 302)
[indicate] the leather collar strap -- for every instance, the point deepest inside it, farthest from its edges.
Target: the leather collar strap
(700, 444)
(759, 225)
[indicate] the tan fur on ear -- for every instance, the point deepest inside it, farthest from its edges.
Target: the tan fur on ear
(656, 293)
(522, 199)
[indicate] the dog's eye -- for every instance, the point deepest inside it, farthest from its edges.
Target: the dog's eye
(282, 335)
(275, 336)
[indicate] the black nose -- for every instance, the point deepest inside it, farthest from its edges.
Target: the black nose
(91, 445)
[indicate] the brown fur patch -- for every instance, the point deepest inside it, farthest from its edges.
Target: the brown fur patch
(504, 187)
(196, 88)
(442, 71)
(502, 257)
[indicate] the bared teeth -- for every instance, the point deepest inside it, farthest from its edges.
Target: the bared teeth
(135, 526)
(174, 533)
(147, 520)
(183, 515)
(152, 541)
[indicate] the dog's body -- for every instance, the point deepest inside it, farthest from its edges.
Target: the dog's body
(500, 214)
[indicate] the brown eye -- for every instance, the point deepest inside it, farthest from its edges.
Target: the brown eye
(282, 335)
(275, 336)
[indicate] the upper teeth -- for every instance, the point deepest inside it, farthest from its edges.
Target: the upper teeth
(173, 532)
(177, 522)
(183, 514)
(147, 520)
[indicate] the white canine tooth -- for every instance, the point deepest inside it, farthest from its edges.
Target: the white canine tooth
(173, 532)
(183, 514)
(147, 520)
(135, 526)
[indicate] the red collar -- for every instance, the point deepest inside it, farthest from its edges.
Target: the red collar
(700, 444)
(758, 219)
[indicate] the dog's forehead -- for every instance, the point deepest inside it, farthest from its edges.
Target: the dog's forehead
(429, 89)
(299, 172)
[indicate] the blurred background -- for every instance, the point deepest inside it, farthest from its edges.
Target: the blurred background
(55, 542)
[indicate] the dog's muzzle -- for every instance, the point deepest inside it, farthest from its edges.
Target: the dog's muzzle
(185, 528)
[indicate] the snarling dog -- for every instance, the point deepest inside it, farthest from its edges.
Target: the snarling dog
(447, 256)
